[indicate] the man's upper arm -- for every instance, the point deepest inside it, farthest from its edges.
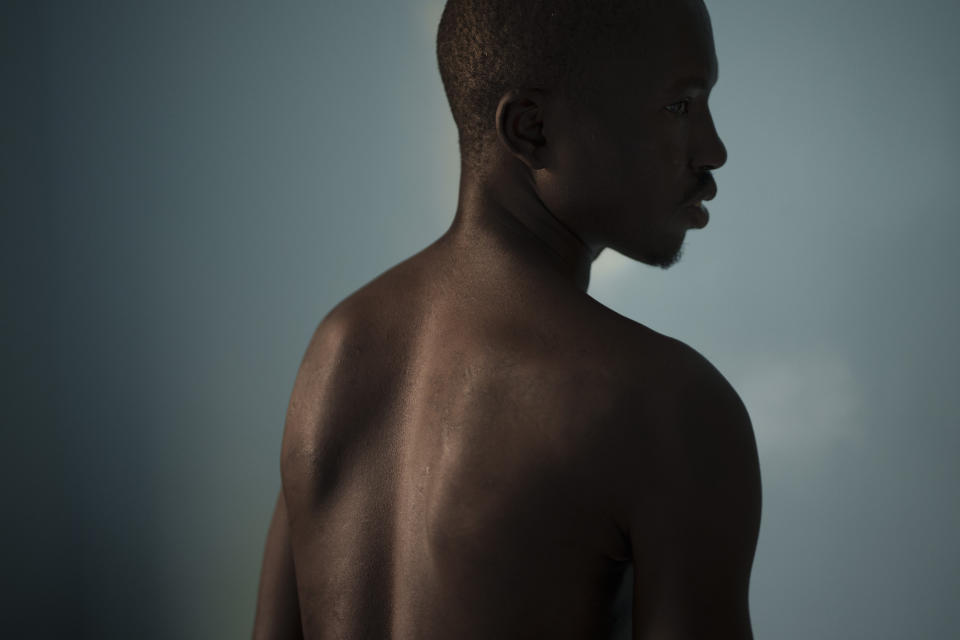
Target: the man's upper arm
(277, 615)
(695, 514)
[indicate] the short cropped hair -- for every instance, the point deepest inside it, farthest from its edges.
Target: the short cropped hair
(487, 47)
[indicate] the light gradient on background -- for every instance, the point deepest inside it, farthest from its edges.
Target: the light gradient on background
(188, 187)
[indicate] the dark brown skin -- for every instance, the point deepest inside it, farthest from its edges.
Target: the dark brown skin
(475, 448)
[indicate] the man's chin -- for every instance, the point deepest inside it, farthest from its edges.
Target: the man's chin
(665, 261)
(663, 256)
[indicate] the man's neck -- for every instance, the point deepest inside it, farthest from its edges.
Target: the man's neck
(512, 215)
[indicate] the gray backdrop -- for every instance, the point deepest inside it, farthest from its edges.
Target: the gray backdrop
(187, 187)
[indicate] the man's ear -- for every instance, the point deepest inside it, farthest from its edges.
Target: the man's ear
(520, 125)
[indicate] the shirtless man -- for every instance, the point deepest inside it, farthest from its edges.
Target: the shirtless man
(477, 449)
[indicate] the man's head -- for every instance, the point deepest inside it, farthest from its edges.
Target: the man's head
(597, 102)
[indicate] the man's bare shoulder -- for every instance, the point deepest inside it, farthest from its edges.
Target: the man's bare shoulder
(645, 361)
(669, 389)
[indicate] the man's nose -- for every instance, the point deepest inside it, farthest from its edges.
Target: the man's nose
(711, 153)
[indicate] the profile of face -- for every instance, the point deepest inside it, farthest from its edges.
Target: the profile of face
(622, 174)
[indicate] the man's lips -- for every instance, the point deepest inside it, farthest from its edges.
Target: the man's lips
(695, 205)
(708, 192)
(700, 215)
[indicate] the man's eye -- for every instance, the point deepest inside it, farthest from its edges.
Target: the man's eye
(679, 108)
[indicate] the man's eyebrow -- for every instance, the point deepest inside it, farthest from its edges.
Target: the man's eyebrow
(693, 82)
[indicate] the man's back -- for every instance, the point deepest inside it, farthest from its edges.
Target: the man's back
(467, 462)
